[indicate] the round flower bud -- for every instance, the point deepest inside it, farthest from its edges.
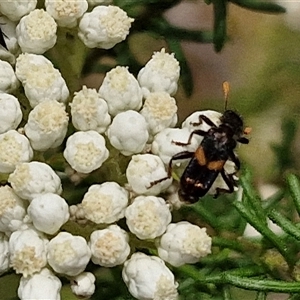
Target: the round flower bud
(160, 112)
(27, 63)
(104, 27)
(89, 111)
(12, 210)
(42, 285)
(8, 80)
(193, 122)
(85, 151)
(148, 217)
(4, 253)
(10, 112)
(143, 170)
(83, 285)
(128, 132)
(47, 125)
(164, 143)
(14, 149)
(66, 13)
(109, 246)
(34, 178)
(183, 243)
(105, 203)
(160, 74)
(27, 251)
(147, 277)
(121, 91)
(36, 32)
(68, 254)
(48, 212)
(16, 9)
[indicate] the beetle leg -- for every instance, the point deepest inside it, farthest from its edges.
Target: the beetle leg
(235, 159)
(180, 155)
(198, 132)
(228, 178)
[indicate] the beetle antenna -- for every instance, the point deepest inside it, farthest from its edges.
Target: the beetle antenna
(226, 89)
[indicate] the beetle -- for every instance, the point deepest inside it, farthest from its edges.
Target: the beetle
(207, 162)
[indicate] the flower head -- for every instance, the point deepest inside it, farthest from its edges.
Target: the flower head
(68, 254)
(8, 79)
(86, 151)
(47, 125)
(34, 178)
(160, 112)
(121, 91)
(183, 243)
(143, 170)
(4, 253)
(104, 27)
(147, 277)
(89, 111)
(27, 250)
(65, 12)
(109, 246)
(128, 132)
(83, 285)
(36, 32)
(160, 74)
(148, 217)
(16, 9)
(41, 285)
(105, 203)
(10, 112)
(48, 212)
(14, 149)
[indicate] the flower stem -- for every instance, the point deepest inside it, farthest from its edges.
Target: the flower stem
(294, 187)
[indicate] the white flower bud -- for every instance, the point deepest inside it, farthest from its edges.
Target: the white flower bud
(68, 254)
(66, 13)
(40, 286)
(12, 210)
(83, 285)
(105, 203)
(142, 170)
(193, 122)
(8, 27)
(160, 74)
(47, 125)
(128, 132)
(148, 217)
(147, 277)
(4, 253)
(34, 178)
(36, 32)
(164, 145)
(86, 151)
(48, 212)
(183, 243)
(8, 80)
(104, 27)
(109, 246)
(27, 63)
(89, 111)
(121, 91)
(160, 112)
(10, 112)
(16, 9)
(41, 81)
(14, 149)
(27, 251)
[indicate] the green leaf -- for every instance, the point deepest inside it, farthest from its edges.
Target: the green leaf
(294, 187)
(262, 6)
(220, 31)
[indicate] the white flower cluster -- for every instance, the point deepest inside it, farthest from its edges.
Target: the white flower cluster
(131, 118)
